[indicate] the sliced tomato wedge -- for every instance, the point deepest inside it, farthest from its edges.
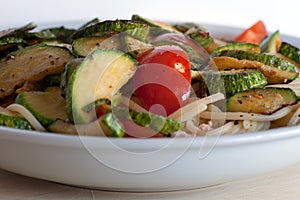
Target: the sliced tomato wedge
(254, 34)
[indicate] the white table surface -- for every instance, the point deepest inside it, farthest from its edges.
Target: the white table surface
(277, 14)
(282, 184)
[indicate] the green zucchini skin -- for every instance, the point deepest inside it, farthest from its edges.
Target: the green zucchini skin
(67, 73)
(97, 103)
(266, 59)
(62, 33)
(47, 107)
(90, 23)
(13, 121)
(238, 46)
(233, 81)
(133, 46)
(272, 43)
(14, 39)
(290, 51)
(18, 32)
(112, 126)
(136, 29)
(51, 80)
(155, 122)
(272, 74)
(185, 26)
(201, 37)
(11, 40)
(261, 100)
(157, 27)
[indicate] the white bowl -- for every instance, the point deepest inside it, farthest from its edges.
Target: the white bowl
(158, 164)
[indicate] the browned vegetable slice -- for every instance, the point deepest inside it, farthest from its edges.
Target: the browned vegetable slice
(274, 75)
(30, 64)
(261, 100)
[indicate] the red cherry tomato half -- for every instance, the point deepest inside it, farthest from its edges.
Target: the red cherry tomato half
(163, 80)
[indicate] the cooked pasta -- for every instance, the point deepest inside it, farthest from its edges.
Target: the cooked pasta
(27, 115)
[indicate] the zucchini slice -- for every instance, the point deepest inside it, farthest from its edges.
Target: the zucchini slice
(67, 73)
(83, 46)
(14, 38)
(41, 60)
(111, 125)
(17, 31)
(266, 59)
(136, 29)
(185, 26)
(290, 52)
(271, 44)
(123, 42)
(61, 33)
(273, 74)
(158, 27)
(47, 107)
(134, 47)
(106, 125)
(10, 119)
(90, 23)
(6, 41)
(233, 81)
(238, 46)
(261, 101)
(51, 80)
(99, 76)
(155, 122)
(201, 37)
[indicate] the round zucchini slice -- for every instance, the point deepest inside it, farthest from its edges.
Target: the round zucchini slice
(99, 76)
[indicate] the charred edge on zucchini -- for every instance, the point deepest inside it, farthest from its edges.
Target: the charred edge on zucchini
(266, 59)
(261, 101)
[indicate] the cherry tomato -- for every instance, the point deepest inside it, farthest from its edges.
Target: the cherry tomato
(163, 81)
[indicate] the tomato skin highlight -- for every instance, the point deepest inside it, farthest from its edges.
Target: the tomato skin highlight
(163, 79)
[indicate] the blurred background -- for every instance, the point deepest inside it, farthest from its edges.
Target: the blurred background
(277, 14)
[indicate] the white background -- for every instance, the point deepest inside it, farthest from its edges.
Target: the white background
(277, 14)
